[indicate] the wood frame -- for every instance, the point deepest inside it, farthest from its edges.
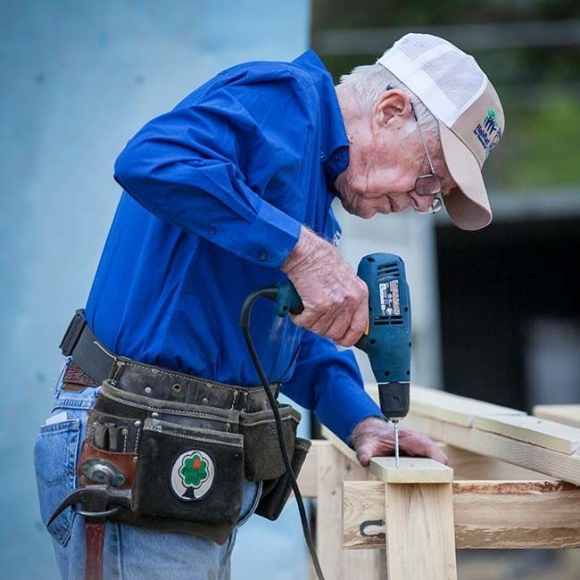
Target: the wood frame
(513, 481)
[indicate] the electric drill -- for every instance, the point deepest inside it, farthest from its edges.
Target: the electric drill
(387, 340)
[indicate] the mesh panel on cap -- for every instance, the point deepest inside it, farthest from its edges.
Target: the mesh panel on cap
(418, 44)
(459, 81)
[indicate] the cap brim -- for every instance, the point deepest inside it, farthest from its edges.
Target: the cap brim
(468, 206)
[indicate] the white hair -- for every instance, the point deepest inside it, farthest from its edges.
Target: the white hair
(369, 82)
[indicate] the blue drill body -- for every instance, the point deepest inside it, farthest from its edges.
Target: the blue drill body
(387, 341)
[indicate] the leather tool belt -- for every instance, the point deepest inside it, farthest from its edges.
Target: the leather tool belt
(170, 451)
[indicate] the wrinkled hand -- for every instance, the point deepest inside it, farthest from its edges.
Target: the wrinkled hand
(335, 299)
(374, 437)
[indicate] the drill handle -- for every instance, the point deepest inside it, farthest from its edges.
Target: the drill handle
(287, 299)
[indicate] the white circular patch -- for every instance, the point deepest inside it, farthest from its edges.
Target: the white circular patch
(192, 475)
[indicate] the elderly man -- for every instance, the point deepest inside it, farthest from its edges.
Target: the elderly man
(229, 192)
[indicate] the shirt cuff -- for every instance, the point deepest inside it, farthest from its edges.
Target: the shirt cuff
(271, 237)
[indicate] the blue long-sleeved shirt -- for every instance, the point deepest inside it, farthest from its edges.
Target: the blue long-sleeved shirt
(215, 193)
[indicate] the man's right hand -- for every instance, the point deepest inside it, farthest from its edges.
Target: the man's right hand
(335, 299)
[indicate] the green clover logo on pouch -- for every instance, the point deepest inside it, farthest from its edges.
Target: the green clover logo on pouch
(194, 470)
(192, 475)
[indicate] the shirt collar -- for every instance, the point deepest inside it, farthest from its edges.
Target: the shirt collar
(333, 141)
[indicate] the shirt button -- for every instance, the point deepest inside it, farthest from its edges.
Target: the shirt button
(322, 155)
(211, 230)
(262, 256)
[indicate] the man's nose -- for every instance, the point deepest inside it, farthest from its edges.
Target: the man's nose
(421, 202)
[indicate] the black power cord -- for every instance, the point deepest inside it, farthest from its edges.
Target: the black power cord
(271, 293)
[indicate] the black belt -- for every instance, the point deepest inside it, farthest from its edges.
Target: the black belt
(100, 364)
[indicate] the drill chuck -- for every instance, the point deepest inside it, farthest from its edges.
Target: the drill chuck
(394, 400)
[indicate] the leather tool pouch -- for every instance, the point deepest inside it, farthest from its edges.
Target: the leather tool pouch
(185, 464)
(275, 493)
(263, 458)
(188, 473)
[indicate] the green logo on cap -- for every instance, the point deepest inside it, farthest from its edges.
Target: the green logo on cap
(488, 132)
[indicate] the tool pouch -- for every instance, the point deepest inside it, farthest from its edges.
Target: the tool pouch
(275, 493)
(263, 457)
(189, 473)
(184, 464)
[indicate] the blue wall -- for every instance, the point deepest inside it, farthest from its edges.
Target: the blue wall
(77, 79)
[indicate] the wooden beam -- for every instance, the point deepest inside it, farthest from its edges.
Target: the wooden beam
(308, 476)
(418, 515)
(410, 470)
(453, 408)
(503, 515)
(544, 433)
(337, 563)
(565, 414)
(453, 419)
(468, 465)
(528, 455)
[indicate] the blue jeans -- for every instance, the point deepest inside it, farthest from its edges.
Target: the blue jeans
(129, 552)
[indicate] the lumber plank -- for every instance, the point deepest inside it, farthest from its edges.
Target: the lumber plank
(447, 406)
(527, 455)
(468, 465)
(544, 433)
(419, 538)
(453, 408)
(332, 469)
(565, 414)
(487, 514)
(410, 470)
(308, 476)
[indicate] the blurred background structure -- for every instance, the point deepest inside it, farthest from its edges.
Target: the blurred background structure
(495, 312)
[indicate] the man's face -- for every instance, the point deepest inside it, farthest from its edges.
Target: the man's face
(386, 156)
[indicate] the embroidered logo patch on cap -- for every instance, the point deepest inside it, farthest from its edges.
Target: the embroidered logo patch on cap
(192, 475)
(488, 132)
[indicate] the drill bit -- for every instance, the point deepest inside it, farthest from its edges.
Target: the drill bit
(396, 426)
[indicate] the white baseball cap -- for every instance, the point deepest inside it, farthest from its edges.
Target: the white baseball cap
(471, 119)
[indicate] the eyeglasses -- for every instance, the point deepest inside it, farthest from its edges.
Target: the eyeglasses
(429, 184)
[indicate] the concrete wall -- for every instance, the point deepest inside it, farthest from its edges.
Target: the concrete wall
(77, 80)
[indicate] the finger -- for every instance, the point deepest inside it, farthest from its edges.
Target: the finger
(364, 454)
(357, 327)
(417, 444)
(358, 322)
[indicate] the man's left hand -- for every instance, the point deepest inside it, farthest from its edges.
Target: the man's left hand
(375, 437)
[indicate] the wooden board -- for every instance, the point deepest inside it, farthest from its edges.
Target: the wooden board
(410, 470)
(469, 465)
(544, 433)
(565, 414)
(527, 455)
(338, 564)
(447, 406)
(490, 515)
(453, 408)
(420, 537)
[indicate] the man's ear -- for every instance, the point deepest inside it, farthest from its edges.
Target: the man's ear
(392, 104)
